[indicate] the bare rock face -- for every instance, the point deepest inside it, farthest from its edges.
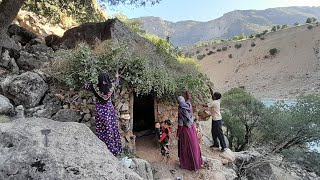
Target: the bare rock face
(26, 89)
(72, 152)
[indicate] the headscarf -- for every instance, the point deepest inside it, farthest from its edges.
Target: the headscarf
(101, 90)
(104, 88)
(185, 112)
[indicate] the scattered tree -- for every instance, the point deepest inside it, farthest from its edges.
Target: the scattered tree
(241, 117)
(237, 46)
(273, 51)
(311, 20)
(287, 126)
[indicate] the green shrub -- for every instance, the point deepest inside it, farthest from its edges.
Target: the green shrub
(253, 44)
(237, 46)
(230, 56)
(209, 53)
(264, 32)
(311, 20)
(292, 126)
(224, 48)
(241, 117)
(310, 27)
(218, 50)
(201, 56)
(55, 10)
(77, 66)
(273, 51)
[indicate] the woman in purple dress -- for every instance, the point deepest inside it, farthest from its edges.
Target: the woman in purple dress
(188, 146)
(106, 119)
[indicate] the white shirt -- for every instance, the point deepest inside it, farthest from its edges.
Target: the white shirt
(214, 107)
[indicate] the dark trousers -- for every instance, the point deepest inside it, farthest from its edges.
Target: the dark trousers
(217, 133)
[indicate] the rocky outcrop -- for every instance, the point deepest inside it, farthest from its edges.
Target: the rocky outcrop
(26, 89)
(5, 106)
(90, 33)
(219, 171)
(20, 34)
(253, 165)
(8, 62)
(143, 168)
(38, 24)
(72, 152)
(28, 61)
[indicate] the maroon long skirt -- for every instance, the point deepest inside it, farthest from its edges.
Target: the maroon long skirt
(189, 149)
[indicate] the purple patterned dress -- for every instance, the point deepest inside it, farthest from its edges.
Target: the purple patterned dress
(106, 120)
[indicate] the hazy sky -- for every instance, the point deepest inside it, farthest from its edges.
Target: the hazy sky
(203, 10)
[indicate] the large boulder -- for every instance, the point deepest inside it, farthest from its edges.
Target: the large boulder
(88, 32)
(8, 62)
(267, 170)
(5, 106)
(253, 165)
(67, 115)
(24, 35)
(28, 61)
(26, 89)
(143, 168)
(217, 170)
(72, 152)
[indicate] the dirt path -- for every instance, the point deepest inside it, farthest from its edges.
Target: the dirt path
(147, 148)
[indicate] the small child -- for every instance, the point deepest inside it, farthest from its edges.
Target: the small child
(164, 138)
(158, 131)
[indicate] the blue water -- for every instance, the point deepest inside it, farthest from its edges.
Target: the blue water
(290, 102)
(270, 102)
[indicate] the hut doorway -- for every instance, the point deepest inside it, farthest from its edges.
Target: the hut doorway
(143, 113)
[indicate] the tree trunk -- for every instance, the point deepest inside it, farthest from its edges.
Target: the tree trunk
(8, 12)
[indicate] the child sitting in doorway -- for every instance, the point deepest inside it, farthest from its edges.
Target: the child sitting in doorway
(164, 137)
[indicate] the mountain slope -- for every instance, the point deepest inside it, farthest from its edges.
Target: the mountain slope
(233, 23)
(293, 71)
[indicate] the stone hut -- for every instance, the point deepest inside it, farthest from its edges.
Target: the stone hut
(136, 113)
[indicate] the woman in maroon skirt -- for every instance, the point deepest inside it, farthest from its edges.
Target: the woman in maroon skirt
(106, 119)
(188, 145)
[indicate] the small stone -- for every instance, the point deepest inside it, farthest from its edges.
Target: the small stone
(124, 107)
(125, 116)
(86, 117)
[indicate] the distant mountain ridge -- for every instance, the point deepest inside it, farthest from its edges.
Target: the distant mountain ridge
(185, 33)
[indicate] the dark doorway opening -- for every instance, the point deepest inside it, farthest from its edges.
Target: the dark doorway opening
(143, 113)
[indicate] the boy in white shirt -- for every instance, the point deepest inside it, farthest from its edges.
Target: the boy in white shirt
(216, 128)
